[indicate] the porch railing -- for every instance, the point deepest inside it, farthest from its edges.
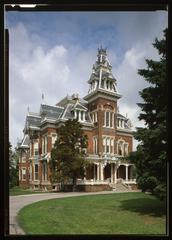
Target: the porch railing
(129, 181)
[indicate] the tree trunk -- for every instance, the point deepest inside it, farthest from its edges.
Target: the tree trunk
(74, 184)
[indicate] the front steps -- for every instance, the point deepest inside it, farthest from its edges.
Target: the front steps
(120, 187)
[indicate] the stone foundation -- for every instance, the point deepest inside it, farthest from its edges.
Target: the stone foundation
(134, 186)
(24, 185)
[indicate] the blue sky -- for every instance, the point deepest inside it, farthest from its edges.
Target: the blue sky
(53, 53)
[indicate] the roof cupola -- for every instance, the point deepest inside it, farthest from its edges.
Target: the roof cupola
(102, 79)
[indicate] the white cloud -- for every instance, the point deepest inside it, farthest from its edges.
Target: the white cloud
(33, 72)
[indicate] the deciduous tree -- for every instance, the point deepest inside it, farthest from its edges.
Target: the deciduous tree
(13, 167)
(68, 156)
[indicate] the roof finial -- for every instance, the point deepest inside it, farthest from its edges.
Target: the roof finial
(43, 98)
(28, 110)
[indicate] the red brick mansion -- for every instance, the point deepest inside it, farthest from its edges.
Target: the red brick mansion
(110, 137)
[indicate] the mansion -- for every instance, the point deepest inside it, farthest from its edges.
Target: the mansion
(110, 136)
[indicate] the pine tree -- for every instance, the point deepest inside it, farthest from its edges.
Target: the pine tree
(68, 155)
(151, 155)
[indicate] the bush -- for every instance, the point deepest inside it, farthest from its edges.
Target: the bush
(146, 182)
(160, 191)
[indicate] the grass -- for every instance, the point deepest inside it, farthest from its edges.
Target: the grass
(122, 213)
(19, 191)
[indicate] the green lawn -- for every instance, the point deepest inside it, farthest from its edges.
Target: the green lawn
(19, 191)
(118, 213)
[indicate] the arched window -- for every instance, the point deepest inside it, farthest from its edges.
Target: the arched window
(107, 119)
(120, 148)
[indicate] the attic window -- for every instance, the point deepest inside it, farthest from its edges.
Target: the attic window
(80, 115)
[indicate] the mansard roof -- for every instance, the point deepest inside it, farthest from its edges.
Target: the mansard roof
(51, 111)
(24, 143)
(119, 115)
(73, 104)
(80, 106)
(63, 111)
(33, 120)
(71, 99)
(67, 114)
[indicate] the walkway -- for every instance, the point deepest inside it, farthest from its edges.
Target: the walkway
(18, 202)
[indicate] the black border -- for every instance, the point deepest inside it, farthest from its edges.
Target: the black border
(67, 5)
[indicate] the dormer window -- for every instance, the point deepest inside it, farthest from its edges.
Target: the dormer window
(79, 115)
(120, 123)
(82, 115)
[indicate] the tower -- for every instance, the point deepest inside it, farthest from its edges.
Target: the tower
(102, 103)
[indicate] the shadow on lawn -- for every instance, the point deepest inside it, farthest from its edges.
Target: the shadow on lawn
(152, 207)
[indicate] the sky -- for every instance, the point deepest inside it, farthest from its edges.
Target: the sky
(52, 53)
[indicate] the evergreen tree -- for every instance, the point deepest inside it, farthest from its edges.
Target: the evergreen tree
(151, 155)
(68, 155)
(13, 167)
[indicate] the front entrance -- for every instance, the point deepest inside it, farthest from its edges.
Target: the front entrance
(107, 171)
(121, 172)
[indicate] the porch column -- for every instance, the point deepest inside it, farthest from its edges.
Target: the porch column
(46, 171)
(126, 172)
(115, 174)
(84, 173)
(112, 172)
(98, 171)
(101, 172)
(42, 171)
(94, 176)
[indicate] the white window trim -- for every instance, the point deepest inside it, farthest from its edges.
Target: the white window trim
(111, 119)
(34, 172)
(23, 168)
(108, 141)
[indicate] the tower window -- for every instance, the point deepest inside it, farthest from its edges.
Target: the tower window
(107, 119)
(107, 84)
(102, 84)
(111, 85)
